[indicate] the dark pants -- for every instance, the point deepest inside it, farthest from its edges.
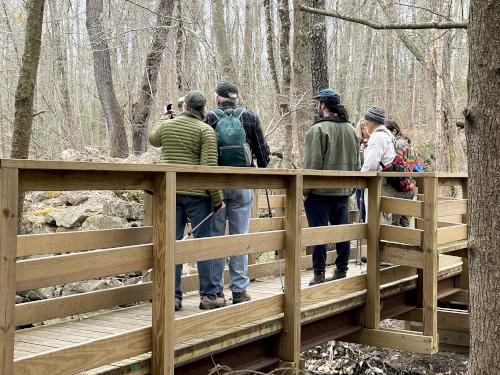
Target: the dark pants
(320, 211)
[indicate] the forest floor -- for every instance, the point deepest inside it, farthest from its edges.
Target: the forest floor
(344, 358)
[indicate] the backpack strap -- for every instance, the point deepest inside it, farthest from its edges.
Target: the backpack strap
(238, 112)
(218, 113)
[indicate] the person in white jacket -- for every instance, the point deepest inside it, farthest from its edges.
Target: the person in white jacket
(379, 152)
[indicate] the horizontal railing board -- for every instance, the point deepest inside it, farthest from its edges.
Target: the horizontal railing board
(333, 233)
(391, 253)
(229, 181)
(217, 247)
(67, 180)
(62, 269)
(81, 357)
(275, 201)
(48, 243)
(36, 311)
(402, 235)
(205, 323)
(324, 182)
(400, 206)
(451, 234)
(452, 207)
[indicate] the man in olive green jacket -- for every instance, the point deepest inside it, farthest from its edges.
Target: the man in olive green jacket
(331, 144)
(186, 139)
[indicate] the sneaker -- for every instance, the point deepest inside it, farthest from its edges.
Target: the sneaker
(239, 297)
(178, 304)
(319, 278)
(212, 302)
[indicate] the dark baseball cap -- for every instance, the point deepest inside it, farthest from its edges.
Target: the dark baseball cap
(328, 95)
(227, 89)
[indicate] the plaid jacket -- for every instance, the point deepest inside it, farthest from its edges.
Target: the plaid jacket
(253, 130)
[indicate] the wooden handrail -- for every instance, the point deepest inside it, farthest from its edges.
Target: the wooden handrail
(123, 250)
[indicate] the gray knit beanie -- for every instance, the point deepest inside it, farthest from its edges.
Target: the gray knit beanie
(375, 114)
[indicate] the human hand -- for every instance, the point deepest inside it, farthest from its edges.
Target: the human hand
(220, 207)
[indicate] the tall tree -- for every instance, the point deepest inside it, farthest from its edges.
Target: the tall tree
(301, 73)
(179, 48)
(284, 15)
(141, 109)
(113, 112)
(223, 46)
(483, 138)
(68, 130)
(26, 84)
(319, 57)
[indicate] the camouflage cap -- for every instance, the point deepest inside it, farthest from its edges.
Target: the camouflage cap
(195, 100)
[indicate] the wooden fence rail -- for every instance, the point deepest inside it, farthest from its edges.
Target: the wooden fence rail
(85, 255)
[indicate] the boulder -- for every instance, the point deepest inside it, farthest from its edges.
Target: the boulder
(68, 217)
(87, 286)
(75, 199)
(129, 211)
(33, 224)
(103, 222)
(40, 293)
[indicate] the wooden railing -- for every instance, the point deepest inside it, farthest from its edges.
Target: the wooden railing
(78, 256)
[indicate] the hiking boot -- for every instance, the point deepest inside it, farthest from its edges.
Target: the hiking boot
(319, 278)
(338, 275)
(239, 297)
(212, 302)
(178, 304)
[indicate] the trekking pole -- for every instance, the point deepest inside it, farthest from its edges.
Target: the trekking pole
(191, 231)
(201, 222)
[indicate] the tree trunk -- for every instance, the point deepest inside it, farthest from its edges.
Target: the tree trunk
(142, 108)
(179, 49)
(223, 46)
(483, 138)
(319, 57)
(68, 130)
(113, 112)
(248, 52)
(301, 89)
(364, 66)
(23, 118)
(284, 16)
(345, 49)
(270, 46)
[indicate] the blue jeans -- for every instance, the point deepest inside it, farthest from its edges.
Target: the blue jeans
(323, 209)
(360, 200)
(237, 212)
(195, 209)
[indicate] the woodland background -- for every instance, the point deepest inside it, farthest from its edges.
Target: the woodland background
(278, 55)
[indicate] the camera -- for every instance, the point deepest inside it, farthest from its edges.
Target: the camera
(168, 108)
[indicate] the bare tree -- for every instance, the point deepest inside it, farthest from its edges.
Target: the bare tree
(223, 46)
(25, 92)
(270, 45)
(319, 59)
(483, 133)
(113, 112)
(141, 109)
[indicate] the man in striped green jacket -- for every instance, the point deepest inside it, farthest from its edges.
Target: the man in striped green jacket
(187, 140)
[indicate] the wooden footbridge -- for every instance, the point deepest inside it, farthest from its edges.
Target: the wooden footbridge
(134, 329)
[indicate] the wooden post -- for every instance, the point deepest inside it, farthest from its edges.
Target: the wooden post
(372, 308)
(164, 274)
(8, 243)
(463, 280)
(290, 345)
(430, 258)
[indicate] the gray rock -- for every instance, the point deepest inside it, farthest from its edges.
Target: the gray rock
(34, 224)
(68, 217)
(129, 211)
(104, 222)
(76, 199)
(84, 286)
(40, 293)
(20, 299)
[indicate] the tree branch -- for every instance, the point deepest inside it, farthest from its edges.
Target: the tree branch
(387, 26)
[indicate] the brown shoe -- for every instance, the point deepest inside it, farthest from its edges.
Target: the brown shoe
(239, 297)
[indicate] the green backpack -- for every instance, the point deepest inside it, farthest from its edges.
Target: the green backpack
(234, 150)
